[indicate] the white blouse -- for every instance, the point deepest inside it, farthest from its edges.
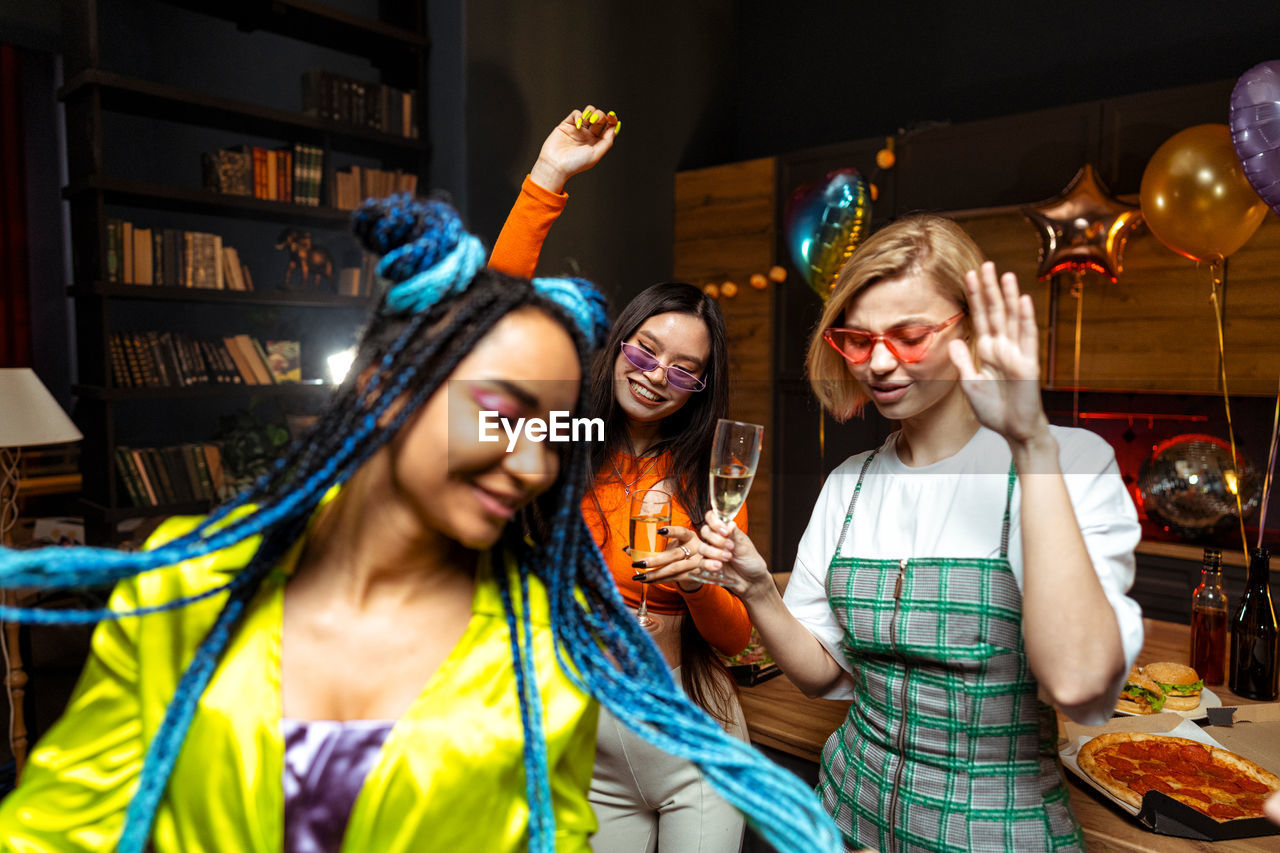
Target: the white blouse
(954, 508)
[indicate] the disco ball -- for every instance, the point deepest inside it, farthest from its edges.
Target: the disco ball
(1189, 484)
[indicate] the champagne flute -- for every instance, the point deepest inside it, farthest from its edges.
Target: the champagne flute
(650, 512)
(735, 453)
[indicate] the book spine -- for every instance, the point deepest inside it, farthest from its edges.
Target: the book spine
(271, 378)
(213, 458)
(157, 257)
(186, 467)
(215, 261)
(177, 471)
(119, 367)
(126, 239)
(257, 363)
(169, 354)
(149, 486)
(200, 243)
(195, 455)
(131, 359)
(160, 472)
(229, 367)
(142, 255)
(260, 172)
(162, 378)
(242, 366)
(273, 176)
(113, 255)
(299, 177)
(132, 484)
(212, 364)
(200, 373)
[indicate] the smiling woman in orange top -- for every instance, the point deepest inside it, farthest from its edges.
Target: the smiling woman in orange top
(659, 384)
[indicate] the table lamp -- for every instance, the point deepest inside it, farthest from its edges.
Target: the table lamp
(29, 417)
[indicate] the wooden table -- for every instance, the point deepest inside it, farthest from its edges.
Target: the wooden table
(779, 716)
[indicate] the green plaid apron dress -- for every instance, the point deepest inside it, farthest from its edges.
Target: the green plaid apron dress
(946, 745)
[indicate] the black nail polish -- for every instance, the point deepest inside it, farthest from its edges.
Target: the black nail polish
(662, 531)
(640, 564)
(639, 577)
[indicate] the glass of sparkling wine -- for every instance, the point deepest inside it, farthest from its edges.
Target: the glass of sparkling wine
(650, 512)
(735, 452)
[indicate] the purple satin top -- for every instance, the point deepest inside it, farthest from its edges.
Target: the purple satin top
(325, 765)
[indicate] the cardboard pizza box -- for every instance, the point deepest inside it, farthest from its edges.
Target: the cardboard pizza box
(1160, 813)
(1255, 734)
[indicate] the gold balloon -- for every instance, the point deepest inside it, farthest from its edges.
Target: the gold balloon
(1195, 197)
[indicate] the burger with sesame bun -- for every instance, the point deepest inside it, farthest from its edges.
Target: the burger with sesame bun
(1141, 694)
(1180, 683)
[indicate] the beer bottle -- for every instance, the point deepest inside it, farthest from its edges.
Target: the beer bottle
(1254, 635)
(1209, 621)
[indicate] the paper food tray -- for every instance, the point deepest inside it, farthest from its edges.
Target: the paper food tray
(1165, 815)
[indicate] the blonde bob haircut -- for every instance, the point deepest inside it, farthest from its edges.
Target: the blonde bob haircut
(930, 247)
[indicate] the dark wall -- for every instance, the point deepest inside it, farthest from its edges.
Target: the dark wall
(665, 67)
(820, 72)
(707, 82)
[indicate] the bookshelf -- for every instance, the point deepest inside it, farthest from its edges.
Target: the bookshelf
(106, 100)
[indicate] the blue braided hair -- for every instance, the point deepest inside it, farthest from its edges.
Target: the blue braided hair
(438, 305)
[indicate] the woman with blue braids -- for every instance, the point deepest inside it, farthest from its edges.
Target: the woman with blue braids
(397, 639)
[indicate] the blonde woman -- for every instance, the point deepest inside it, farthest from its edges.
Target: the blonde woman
(958, 581)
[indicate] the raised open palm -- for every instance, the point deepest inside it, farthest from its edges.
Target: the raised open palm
(1004, 387)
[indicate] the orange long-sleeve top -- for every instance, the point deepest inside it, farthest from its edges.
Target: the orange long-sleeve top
(720, 617)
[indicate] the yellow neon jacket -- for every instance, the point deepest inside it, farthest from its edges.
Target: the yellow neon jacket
(450, 775)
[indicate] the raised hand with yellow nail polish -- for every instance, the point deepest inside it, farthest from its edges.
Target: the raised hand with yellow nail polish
(575, 145)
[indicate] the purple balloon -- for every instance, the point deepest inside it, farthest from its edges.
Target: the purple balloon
(1255, 129)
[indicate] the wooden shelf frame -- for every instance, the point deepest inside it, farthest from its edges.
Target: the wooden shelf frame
(154, 196)
(215, 389)
(165, 293)
(315, 23)
(121, 93)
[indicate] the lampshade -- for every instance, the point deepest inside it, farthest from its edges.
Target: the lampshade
(29, 415)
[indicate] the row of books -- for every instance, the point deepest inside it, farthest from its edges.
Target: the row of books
(356, 183)
(184, 473)
(180, 360)
(293, 173)
(376, 106)
(174, 258)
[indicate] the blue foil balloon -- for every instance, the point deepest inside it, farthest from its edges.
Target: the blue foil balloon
(1255, 129)
(824, 224)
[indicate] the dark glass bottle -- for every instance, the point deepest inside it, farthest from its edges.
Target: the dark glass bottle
(1209, 621)
(1254, 635)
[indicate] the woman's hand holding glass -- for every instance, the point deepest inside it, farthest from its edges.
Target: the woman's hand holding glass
(674, 565)
(735, 453)
(1004, 387)
(730, 553)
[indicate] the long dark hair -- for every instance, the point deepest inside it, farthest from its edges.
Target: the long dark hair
(686, 436)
